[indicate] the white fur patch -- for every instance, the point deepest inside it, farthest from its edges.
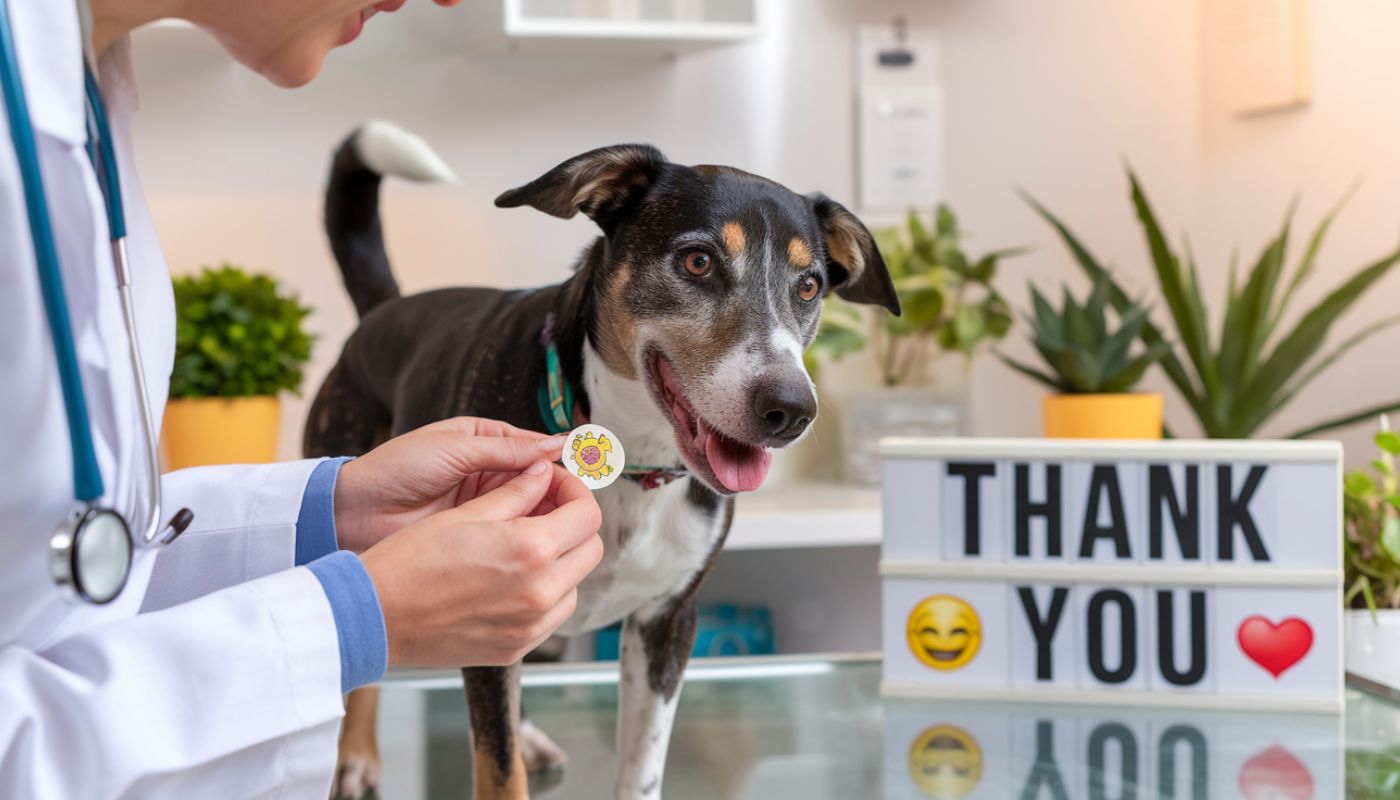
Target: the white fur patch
(784, 342)
(653, 541)
(356, 775)
(390, 150)
(539, 751)
(643, 724)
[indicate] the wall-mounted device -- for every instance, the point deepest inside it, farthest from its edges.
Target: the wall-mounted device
(899, 120)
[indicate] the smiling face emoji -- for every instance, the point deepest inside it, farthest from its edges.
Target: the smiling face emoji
(945, 762)
(944, 632)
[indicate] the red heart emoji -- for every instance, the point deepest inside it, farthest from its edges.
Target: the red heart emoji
(1275, 647)
(1275, 774)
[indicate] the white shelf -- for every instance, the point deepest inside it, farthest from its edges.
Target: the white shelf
(649, 30)
(806, 515)
(587, 27)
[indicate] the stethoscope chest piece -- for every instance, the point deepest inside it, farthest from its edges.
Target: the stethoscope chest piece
(90, 555)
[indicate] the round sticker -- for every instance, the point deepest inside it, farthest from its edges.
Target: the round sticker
(595, 455)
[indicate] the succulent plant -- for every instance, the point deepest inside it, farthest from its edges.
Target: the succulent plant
(1084, 354)
(1238, 379)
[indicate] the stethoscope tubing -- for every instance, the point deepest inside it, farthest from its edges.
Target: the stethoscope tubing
(105, 160)
(87, 477)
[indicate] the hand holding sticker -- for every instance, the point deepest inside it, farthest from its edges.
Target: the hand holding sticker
(595, 455)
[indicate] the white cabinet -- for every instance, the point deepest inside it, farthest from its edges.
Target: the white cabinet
(597, 25)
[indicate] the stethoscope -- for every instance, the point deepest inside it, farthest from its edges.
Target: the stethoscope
(91, 550)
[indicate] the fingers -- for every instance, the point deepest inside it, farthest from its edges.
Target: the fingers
(551, 620)
(575, 565)
(576, 517)
(467, 454)
(568, 487)
(516, 497)
(480, 426)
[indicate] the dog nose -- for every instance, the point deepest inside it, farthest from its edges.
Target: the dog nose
(784, 409)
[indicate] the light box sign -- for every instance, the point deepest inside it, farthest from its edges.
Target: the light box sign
(1147, 573)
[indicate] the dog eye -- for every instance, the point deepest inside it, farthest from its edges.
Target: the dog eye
(808, 288)
(699, 264)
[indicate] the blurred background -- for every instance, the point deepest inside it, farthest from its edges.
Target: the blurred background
(1228, 112)
(1054, 98)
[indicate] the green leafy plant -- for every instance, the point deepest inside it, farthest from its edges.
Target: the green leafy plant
(1371, 527)
(1083, 354)
(1255, 365)
(947, 298)
(1372, 774)
(236, 335)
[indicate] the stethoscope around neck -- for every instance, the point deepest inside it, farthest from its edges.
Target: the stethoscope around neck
(91, 550)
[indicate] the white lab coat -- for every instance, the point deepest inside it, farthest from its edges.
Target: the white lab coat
(226, 683)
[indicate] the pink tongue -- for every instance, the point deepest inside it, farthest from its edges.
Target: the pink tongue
(740, 467)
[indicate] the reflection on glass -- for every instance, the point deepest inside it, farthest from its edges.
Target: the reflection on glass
(818, 730)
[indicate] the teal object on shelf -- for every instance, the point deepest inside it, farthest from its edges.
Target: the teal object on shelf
(721, 630)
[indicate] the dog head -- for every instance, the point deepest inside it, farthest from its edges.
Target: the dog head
(710, 287)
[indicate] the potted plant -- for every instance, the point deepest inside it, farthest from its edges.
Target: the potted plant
(1239, 379)
(950, 305)
(238, 342)
(1371, 553)
(1092, 368)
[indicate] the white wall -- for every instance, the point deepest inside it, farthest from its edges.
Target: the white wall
(1253, 166)
(1049, 96)
(1054, 98)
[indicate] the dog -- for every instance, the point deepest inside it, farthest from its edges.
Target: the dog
(681, 330)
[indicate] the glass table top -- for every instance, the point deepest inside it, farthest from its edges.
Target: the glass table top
(810, 727)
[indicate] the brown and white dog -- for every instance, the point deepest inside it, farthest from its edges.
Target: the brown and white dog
(681, 330)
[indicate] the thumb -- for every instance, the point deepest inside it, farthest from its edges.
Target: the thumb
(516, 497)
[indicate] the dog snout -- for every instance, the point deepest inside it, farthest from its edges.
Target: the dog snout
(784, 409)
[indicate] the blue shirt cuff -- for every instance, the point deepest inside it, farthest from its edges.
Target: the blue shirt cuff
(315, 535)
(359, 621)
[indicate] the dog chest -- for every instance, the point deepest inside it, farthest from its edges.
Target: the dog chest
(654, 543)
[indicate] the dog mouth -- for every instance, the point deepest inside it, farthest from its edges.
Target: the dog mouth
(721, 460)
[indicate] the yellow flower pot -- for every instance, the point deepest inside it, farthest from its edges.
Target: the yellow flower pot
(1103, 416)
(219, 430)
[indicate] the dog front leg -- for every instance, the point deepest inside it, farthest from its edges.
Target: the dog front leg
(493, 705)
(653, 658)
(357, 763)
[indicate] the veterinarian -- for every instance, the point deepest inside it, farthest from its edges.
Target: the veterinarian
(147, 652)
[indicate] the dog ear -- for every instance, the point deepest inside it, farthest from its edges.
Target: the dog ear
(601, 183)
(858, 272)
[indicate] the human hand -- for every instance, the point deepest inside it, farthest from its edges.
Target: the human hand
(485, 583)
(431, 469)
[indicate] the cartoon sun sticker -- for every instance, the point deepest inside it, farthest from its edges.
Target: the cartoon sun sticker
(945, 762)
(595, 455)
(944, 632)
(591, 453)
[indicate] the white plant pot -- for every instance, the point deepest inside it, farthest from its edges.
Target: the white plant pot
(1373, 646)
(871, 416)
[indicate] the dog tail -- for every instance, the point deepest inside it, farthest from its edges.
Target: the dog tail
(370, 152)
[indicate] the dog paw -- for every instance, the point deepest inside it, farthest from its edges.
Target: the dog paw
(356, 776)
(540, 752)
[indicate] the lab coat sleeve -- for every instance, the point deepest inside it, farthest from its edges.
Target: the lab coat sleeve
(244, 528)
(242, 684)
